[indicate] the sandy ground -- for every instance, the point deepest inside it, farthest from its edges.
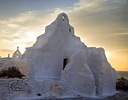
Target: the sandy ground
(122, 95)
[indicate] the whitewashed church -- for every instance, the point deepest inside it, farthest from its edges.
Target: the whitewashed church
(59, 64)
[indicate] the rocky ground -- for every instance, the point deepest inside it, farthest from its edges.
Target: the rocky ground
(122, 95)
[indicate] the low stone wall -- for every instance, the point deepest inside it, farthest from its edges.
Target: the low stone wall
(48, 87)
(10, 88)
(15, 88)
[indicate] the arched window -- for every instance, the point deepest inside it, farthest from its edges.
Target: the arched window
(62, 18)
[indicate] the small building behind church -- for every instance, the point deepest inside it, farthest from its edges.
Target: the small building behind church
(14, 61)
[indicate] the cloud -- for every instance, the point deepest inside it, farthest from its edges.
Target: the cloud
(101, 22)
(7, 50)
(12, 38)
(89, 14)
(30, 43)
(120, 50)
(26, 23)
(95, 21)
(100, 18)
(22, 29)
(120, 34)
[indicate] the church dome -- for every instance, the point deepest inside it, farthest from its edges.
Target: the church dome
(17, 53)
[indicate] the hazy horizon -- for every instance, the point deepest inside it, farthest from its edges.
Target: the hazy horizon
(99, 23)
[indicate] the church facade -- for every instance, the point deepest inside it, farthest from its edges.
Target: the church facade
(60, 55)
(59, 64)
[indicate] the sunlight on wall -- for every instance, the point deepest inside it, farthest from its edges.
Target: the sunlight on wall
(108, 55)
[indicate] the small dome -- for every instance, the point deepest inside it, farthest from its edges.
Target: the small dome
(17, 53)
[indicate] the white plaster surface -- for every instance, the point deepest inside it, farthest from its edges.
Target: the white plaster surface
(87, 72)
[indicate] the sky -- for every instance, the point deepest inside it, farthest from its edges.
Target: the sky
(99, 23)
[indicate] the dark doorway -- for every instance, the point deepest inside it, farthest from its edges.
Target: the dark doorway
(69, 29)
(65, 61)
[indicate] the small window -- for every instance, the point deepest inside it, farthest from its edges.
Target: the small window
(65, 62)
(62, 18)
(69, 29)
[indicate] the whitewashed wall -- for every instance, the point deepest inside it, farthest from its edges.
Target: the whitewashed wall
(10, 88)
